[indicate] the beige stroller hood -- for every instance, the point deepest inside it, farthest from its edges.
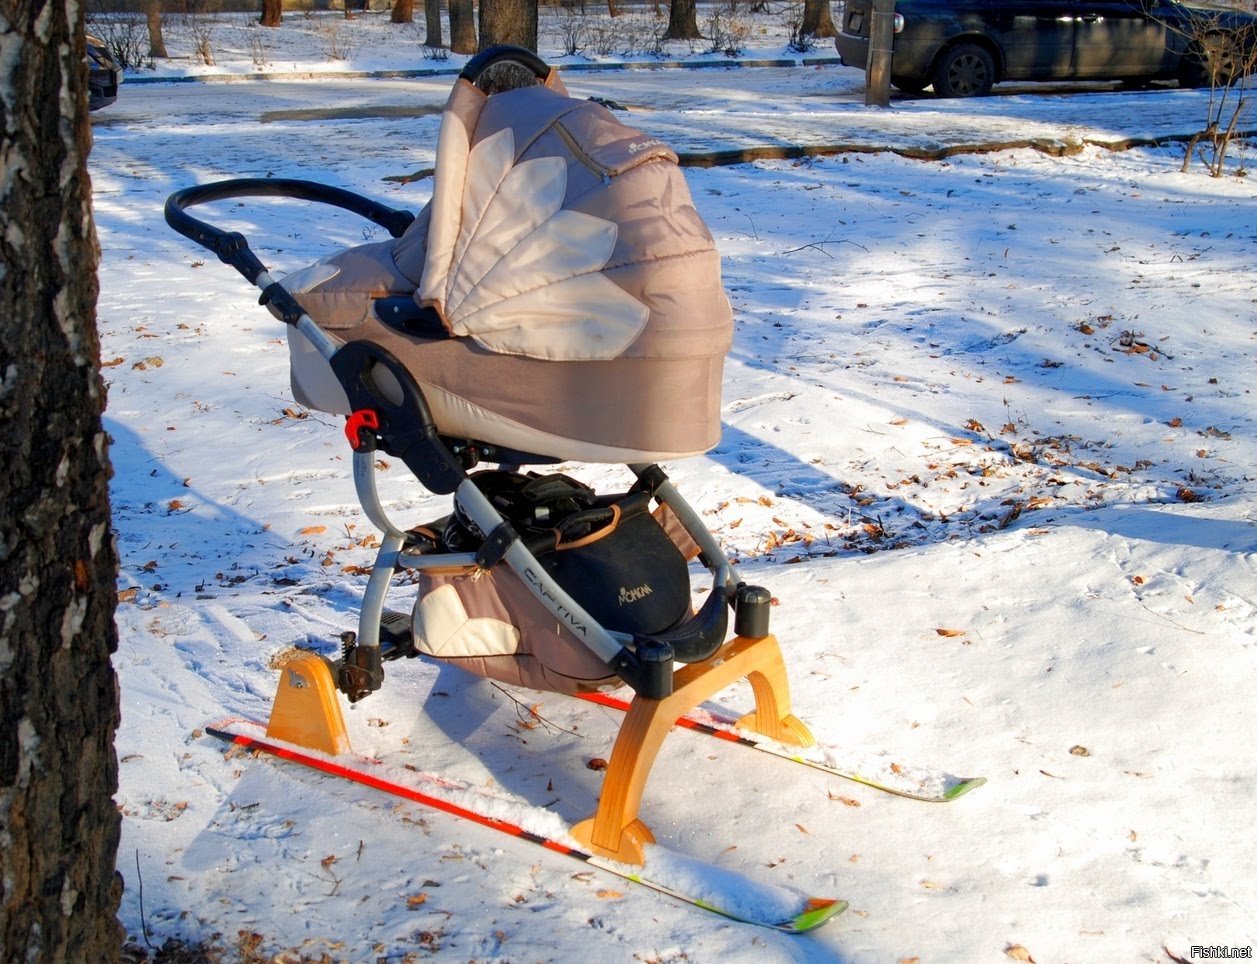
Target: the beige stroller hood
(577, 287)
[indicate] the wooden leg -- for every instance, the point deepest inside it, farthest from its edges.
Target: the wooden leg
(772, 715)
(615, 831)
(307, 710)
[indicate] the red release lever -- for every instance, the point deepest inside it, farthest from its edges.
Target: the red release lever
(355, 423)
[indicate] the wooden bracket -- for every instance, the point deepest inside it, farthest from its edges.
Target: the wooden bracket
(307, 710)
(615, 831)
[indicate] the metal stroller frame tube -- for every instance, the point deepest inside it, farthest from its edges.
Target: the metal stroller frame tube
(368, 496)
(608, 646)
(323, 343)
(713, 556)
(386, 561)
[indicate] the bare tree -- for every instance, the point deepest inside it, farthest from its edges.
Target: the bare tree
(462, 26)
(1220, 55)
(272, 13)
(59, 890)
(1227, 66)
(817, 19)
(508, 22)
(432, 23)
(682, 21)
(403, 11)
(153, 18)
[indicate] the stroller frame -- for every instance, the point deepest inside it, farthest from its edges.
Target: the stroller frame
(306, 709)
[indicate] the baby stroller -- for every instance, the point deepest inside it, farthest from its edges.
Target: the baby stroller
(558, 300)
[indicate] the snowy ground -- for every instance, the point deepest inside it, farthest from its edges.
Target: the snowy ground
(989, 439)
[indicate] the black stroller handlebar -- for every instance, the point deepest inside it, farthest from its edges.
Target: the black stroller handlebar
(231, 246)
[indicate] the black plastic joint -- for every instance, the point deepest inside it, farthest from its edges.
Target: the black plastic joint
(650, 478)
(361, 672)
(276, 294)
(495, 546)
(752, 606)
(648, 670)
(229, 246)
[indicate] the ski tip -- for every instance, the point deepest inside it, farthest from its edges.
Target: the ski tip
(963, 787)
(816, 912)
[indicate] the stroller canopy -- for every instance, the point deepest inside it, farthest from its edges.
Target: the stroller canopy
(578, 288)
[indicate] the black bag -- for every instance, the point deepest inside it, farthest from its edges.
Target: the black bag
(621, 566)
(609, 553)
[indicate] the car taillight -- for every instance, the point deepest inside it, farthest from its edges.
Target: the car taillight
(899, 23)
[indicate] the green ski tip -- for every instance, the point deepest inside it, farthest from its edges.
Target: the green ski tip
(963, 787)
(818, 911)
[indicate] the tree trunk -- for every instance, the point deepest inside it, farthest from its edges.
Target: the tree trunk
(432, 23)
(508, 22)
(682, 21)
(156, 42)
(403, 11)
(59, 890)
(272, 13)
(462, 26)
(817, 19)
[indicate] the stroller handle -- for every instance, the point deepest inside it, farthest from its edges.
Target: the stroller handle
(231, 246)
(493, 55)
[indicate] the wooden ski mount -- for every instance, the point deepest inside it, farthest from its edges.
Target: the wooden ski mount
(615, 830)
(307, 712)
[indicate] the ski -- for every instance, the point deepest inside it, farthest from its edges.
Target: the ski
(798, 913)
(902, 781)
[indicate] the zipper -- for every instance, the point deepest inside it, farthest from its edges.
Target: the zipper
(584, 158)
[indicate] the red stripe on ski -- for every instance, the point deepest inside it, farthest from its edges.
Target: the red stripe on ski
(393, 788)
(813, 911)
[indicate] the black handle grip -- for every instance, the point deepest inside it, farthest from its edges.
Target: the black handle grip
(232, 248)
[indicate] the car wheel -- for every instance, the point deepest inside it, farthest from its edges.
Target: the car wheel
(965, 70)
(1212, 62)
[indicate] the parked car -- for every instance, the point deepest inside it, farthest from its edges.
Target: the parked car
(103, 75)
(962, 47)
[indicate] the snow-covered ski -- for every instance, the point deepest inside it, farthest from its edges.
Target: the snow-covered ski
(916, 783)
(680, 877)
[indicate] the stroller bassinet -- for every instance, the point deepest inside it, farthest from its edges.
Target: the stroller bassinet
(558, 295)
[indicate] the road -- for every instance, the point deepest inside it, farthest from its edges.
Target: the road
(695, 110)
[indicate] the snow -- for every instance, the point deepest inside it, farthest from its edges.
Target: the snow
(988, 440)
